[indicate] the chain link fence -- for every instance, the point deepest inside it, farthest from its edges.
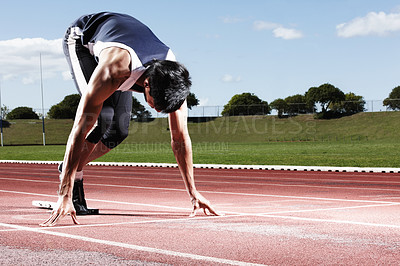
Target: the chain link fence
(215, 111)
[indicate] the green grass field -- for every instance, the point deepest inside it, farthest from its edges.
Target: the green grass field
(362, 140)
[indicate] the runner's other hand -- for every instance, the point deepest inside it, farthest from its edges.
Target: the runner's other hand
(63, 207)
(200, 202)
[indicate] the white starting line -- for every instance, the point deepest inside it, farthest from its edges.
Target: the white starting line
(130, 246)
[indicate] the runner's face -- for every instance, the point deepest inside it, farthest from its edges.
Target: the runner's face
(149, 99)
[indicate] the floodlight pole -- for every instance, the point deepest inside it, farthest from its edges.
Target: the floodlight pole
(41, 88)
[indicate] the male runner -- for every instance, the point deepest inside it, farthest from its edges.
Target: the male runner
(111, 54)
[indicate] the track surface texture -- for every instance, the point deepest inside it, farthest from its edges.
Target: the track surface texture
(270, 218)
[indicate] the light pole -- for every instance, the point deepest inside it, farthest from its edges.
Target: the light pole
(41, 88)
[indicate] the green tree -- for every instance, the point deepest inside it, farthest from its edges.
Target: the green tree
(280, 106)
(22, 113)
(66, 108)
(192, 100)
(139, 111)
(297, 104)
(393, 101)
(351, 105)
(324, 95)
(245, 104)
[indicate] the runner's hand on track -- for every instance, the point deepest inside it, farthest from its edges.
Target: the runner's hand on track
(63, 207)
(200, 202)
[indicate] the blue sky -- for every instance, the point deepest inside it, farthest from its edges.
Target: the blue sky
(273, 49)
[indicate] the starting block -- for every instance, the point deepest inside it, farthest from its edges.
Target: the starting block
(48, 205)
(44, 204)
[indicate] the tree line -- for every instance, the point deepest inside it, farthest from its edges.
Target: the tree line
(332, 101)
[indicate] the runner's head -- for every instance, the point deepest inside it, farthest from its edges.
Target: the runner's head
(169, 84)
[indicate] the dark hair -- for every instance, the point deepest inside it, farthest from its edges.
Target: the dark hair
(169, 84)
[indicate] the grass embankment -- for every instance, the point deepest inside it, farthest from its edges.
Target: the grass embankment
(362, 140)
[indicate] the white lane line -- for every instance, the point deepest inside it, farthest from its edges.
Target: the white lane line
(188, 219)
(181, 208)
(298, 197)
(256, 184)
(260, 177)
(170, 220)
(277, 184)
(9, 230)
(216, 192)
(131, 246)
(142, 173)
(274, 215)
(28, 193)
(126, 203)
(332, 209)
(329, 221)
(376, 204)
(233, 213)
(312, 210)
(105, 201)
(379, 204)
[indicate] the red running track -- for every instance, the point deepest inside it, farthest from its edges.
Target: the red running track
(271, 217)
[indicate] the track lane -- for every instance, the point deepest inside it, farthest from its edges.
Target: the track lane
(306, 218)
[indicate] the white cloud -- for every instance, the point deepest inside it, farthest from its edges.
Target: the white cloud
(278, 30)
(265, 25)
(19, 59)
(287, 34)
(229, 78)
(373, 23)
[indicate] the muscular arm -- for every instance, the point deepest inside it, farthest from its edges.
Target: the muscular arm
(182, 148)
(112, 70)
